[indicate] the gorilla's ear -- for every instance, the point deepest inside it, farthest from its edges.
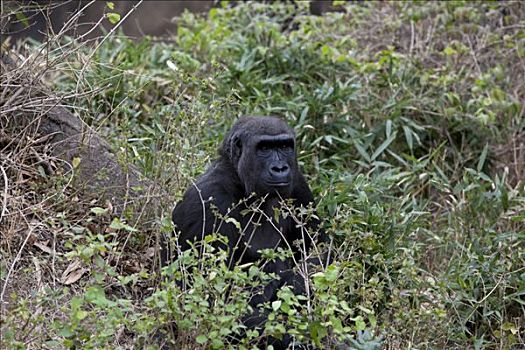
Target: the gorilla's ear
(235, 147)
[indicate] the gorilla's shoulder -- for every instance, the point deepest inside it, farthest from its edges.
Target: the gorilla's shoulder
(217, 185)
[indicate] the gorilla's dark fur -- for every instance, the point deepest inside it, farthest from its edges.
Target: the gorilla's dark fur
(257, 161)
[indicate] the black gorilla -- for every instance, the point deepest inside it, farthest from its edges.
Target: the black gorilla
(257, 162)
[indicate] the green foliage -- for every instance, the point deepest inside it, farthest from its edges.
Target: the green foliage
(407, 119)
(205, 299)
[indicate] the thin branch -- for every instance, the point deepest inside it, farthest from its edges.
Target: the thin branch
(18, 255)
(103, 40)
(4, 202)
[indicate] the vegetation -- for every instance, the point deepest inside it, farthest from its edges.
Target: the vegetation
(411, 128)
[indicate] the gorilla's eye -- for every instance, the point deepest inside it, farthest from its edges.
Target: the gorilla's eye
(264, 147)
(286, 147)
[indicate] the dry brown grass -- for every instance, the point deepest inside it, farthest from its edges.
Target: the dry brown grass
(41, 205)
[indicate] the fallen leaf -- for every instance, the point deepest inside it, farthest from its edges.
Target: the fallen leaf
(43, 246)
(73, 273)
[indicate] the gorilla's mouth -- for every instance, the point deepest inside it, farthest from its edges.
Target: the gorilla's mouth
(278, 184)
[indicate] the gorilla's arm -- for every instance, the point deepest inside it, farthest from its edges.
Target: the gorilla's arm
(195, 216)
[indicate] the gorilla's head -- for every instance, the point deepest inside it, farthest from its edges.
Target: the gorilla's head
(262, 150)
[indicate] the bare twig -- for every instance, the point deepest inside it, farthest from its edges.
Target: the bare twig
(4, 202)
(18, 255)
(103, 40)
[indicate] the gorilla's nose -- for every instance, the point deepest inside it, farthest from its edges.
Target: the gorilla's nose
(280, 172)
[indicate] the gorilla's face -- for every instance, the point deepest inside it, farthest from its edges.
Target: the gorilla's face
(270, 162)
(266, 162)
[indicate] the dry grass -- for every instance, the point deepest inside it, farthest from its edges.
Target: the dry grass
(41, 209)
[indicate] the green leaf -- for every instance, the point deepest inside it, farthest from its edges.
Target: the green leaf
(508, 326)
(97, 296)
(408, 137)
(331, 274)
(276, 215)
(22, 18)
(361, 150)
(113, 17)
(236, 223)
(482, 158)
(66, 332)
(41, 171)
(201, 339)
(76, 303)
(449, 51)
(360, 324)
(383, 146)
(320, 281)
(99, 211)
(110, 5)
(116, 224)
(388, 128)
(336, 324)
(80, 315)
(325, 50)
(217, 344)
(75, 162)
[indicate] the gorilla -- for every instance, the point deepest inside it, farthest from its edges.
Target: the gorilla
(257, 164)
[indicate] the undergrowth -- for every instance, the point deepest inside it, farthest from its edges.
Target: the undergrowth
(411, 130)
